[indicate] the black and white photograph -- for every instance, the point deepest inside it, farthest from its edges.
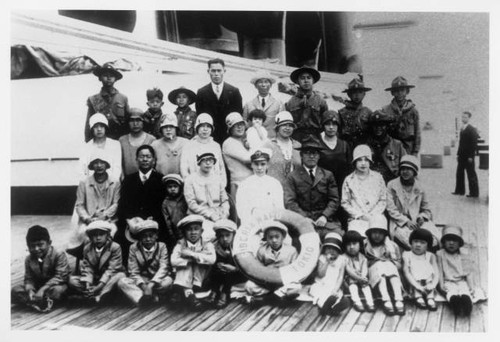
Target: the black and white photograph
(269, 169)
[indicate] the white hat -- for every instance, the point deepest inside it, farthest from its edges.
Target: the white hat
(169, 120)
(202, 119)
(98, 155)
(137, 225)
(225, 224)
(378, 222)
(260, 74)
(362, 151)
(98, 118)
(283, 118)
(100, 225)
(190, 219)
(272, 224)
(232, 119)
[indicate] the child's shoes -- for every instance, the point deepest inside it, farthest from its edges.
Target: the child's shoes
(193, 302)
(420, 303)
(222, 301)
(388, 308)
(466, 305)
(400, 308)
(358, 307)
(431, 304)
(370, 307)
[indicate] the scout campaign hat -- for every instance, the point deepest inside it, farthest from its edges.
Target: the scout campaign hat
(261, 74)
(454, 231)
(101, 225)
(232, 119)
(98, 155)
(362, 151)
(283, 118)
(294, 76)
(271, 224)
(136, 113)
(172, 177)
(172, 96)
(225, 224)
(37, 233)
(356, 84)
(377, 222)
(137, 225)
(378, 117)
(206, 155)
(107, 67)
(204, 118)
(399, 82)
(169, 120)
(333, 239)
(329, 115)
(190, 219)
(98, 118)
(310, 142)
(409, 161)
(422, 234)
(261, 154)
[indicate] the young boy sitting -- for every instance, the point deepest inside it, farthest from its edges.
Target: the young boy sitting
(152, 116)
(46, 272)
(273, 253)
(455, 274)
(192, 258)
(256, 133)
(224, 274)
(148, 265)
(174, 207)
(186, 117)
(102, 263)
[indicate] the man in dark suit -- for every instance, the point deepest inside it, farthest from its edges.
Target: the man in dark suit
(467, 147)
(142, 194)
(218, 99)
(312, 191)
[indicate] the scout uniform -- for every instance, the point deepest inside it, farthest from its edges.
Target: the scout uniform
(145, 266)
(52, 272)
(353, 117)
(109, 102)
(306, 108)
(186, 117)
(152, 119)
(406, 120)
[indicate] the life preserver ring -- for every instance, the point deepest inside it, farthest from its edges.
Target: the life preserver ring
(297, 271)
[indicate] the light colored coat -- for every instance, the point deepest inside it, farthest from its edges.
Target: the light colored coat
(155, 269)
(206, 196)
(364, 197)
(55, 270)
(100, 269)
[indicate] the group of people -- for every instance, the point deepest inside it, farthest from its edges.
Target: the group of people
(162, 196)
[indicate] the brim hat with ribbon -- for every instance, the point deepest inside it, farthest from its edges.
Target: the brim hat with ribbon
(409, 161)
(225, 224)
(398, 83)
(422, 234)
(294, 76)
(272, 224)
(356, 84)
(283, 118)
(261, 154)
(204, 156)
(172, 96)
(137, 225)
(172, 177)
(109, 68)
(190, 219)
(260, 75)
(334, 240)
(452, 231)
(377, 223)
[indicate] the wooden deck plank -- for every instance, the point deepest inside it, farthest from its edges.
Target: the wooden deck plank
(319, 323)
(298, 315)
(333, 323)
(178, 324)
(120, 312)
(419, 320)
(478, 321)
(406, 320)
(462, 324)
(41, 318)
(349, 321)
(264, 321)
(73, 314)
(447, 320)
(285, 315)
(132, 315)
(363, 322)
(163, 323)
(207, 314)
(217, 323)
(390, 323)
(377, 321)
(142, 320)
(91, 319)
(248, 321)
(304, 323)
(161, 314)
(434, 319)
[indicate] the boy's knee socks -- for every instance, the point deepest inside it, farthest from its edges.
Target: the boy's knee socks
(466, 304)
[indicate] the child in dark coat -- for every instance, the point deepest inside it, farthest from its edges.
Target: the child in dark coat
(174, 207)
(152, 117)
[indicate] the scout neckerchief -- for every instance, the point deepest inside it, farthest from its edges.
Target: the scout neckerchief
(147, 262)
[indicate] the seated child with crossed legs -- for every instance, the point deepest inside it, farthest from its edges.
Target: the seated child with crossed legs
(357, 271)
(327, 288)
(273, 253)
(421, 270)
(384, 264)
(148, 265)
(192, 258)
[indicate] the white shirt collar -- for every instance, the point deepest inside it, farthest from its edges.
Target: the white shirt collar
(313, 170)
(99, 250)
(265, 98)
(196, 244)
(214, 87)
(142, 175)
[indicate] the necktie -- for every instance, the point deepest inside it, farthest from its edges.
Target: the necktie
(217, 90)
(311, 174)
(144, 179)
(263, 103)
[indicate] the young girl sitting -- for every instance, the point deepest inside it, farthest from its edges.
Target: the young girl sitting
(327, 288)
(357, 271)
(420, 269)
(384, 263)
(256, 133)
(364, 193)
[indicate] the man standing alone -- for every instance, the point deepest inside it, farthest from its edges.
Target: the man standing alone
(467, 147)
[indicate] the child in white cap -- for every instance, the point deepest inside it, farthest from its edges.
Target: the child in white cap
(192, 259)
(327, 288)
(102, 266)
(364, 194)
(384, 264)
(456, 277)
(148, 264)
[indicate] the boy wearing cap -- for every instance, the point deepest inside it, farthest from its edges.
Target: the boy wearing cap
(312, 191)
(327, 288)
(306, 106)
(186, 117)
(353, 117)
(224, 273)
(264, 101)
(387, 151)
(109, 101)
(407, 205)
(153, 115)
(192, 259)
(455, 268)
(102, 266)
(46, 272)
(174, 207)
(406, 124)
(148, 265)
(131, 141)
(273, 253)
(170, 147)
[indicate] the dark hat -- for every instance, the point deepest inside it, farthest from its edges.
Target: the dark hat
(294, 76)
(261, 154)
(206, 155)
(356, 84)
(135, 113)
(379, 116)
(422, 234)
(399, 82)
(310, 142)
(172, 96)
(352, 236)
(452, 231)
(333, 239)
(37, 233)
(107, 67)
(329, 115)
